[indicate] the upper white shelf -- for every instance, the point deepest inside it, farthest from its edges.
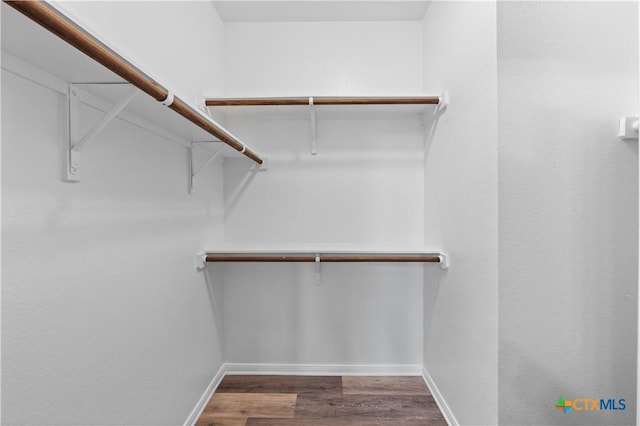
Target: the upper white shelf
(327, 107)
(41, 44)
(244, 248)
(325, 100)
(320, 253)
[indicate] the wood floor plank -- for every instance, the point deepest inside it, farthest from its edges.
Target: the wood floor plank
(365, 407)
(280, 384)
(320, 401)
(368, 385)
(223, 421)
(238, 405)
(255, 421)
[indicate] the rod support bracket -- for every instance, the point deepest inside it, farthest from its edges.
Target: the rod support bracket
(444, 260)
(312, 117)
(169, 99)
(192, 171)
(628, 128)
(318, 277)
(261, 167)
(75, 139)
(201, 260)
(443, 102)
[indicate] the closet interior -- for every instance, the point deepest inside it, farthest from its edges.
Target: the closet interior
(308, 244)
(302, 206)
(240, 188)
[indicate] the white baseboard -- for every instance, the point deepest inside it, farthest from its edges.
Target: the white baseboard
(206, 396)
(326, 369)
(442, 404)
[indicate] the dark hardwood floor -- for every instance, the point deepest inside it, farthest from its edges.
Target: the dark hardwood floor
(321, 401)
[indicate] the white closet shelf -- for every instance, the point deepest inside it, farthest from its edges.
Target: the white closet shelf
(331, 108)
(321, 254)
(325, 100)
(60, 54)
(327, 107)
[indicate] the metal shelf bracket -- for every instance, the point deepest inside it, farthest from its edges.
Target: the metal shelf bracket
(441, 257)
(74, 139)
(318, 272)
(192, 172)
(444, 260)
(443, 104)
(628, 128)
(432, 116)
(201, 260)
(312, 116)
(430, 122)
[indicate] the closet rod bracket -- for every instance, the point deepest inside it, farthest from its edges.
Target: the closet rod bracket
(192, 171)
(443, 102)
(312, 117)
(75, 139)
(201, 260)
(628, 128)
(431, 116)
(318, 277)
(444, 260)
(261, 167)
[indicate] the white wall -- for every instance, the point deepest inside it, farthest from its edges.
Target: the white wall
(568, 209)
(104, 317)
(363, 188)
(361, 313)
(461, 205)
(322, 58)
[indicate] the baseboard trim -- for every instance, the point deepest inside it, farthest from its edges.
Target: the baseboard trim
(206, 396)
(326, 369)
(442, 403)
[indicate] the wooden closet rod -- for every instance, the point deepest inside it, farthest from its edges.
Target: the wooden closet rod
(324, 100)
(323, 258)
(50, 19)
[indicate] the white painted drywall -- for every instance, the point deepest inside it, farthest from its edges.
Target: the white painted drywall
(180, 43)
(568, 209)
(363, 188)
(461, 205)
(104, 317)
(322, 58)
(360, 314)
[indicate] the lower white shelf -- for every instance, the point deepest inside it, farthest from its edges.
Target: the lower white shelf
(320, 256)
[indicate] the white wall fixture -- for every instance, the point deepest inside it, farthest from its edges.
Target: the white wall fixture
(74, 140)
(443, 103)
(93, 49)
(96, 100)
(445, 260)
(204, 257)
(312, 117)
(192, 172)
(628, 129)
(333, 106)
(434, 118)
(318, 280)
(201, 260)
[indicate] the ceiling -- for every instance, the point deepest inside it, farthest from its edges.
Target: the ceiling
(316, 10)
